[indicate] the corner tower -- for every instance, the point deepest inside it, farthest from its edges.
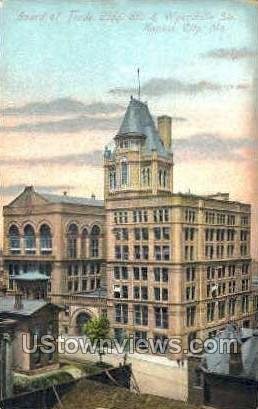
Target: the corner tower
(141, 161)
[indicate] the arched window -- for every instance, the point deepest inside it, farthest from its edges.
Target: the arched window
(30, 239)
(72, 241)
(14, 239)
(94, 243)
(164, 178)
(84, 242)
(45, 239)
(160, 177)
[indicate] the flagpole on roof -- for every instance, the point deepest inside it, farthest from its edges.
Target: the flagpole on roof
(139, 84)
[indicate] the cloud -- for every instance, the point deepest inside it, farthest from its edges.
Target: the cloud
(231, 53)
(160, 86)
(214, 147)
(68, 125)
(93, 158)
(195, 147)
(13, 190)
(63, 106)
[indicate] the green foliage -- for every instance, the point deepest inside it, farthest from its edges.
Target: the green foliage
(27, 384)
(97, 330)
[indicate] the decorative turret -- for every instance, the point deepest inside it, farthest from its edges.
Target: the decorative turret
(141, 160)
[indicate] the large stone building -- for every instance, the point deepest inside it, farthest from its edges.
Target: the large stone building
(177, 264)
(173, 264)
(53, 246)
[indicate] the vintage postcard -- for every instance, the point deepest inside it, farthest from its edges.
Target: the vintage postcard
(129, 204)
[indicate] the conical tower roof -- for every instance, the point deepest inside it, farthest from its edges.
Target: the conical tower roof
(138, 121)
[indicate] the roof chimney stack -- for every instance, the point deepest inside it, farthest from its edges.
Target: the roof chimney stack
(93, 196)
(65, 193)
(165, 130)
(18, 301)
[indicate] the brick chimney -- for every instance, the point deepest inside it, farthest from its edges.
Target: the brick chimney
(18, 301)
(165, 130)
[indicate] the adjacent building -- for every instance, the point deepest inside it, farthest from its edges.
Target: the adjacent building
(227, 377)
(54, 247)
(7, 328)
(28, 321)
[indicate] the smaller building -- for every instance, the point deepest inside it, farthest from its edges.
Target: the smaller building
(33, 320)
(7, 327)
(228, 376)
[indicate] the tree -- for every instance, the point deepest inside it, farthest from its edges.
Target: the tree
(97, 330)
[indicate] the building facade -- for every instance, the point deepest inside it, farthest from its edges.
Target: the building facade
(53, 247)
(177, 264)
(173, 264)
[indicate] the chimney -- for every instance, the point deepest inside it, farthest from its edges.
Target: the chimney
(65, 193)
(18, 301)
(164, 127)
(93, 196)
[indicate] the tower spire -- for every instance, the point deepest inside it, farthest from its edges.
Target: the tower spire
(139, 84)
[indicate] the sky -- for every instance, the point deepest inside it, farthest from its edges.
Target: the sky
(68, 70)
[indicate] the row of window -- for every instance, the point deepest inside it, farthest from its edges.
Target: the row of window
(142, 252)
(29, 239)
(141, 273)
(160, 233)
(216, 290)
(219, 218)
(222, 271)
(141, 315)
(222, 234)
(214, 309)
(123, 178)
(84, 269)
(162, 215)
(142, 216)
(75, 285)
(221, 251)
(219, 310)
(140, 292)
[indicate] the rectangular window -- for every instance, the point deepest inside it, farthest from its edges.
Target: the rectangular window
(161, 215)
(222, 309)
(124, 174)
(190, 316)
(210, 311)
(160, 294)
(140, 273)
(161, 317)
(157, 233)
(121, 313)
(140, 314)
(136, 273)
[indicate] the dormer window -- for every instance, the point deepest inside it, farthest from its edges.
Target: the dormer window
(124, 144)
